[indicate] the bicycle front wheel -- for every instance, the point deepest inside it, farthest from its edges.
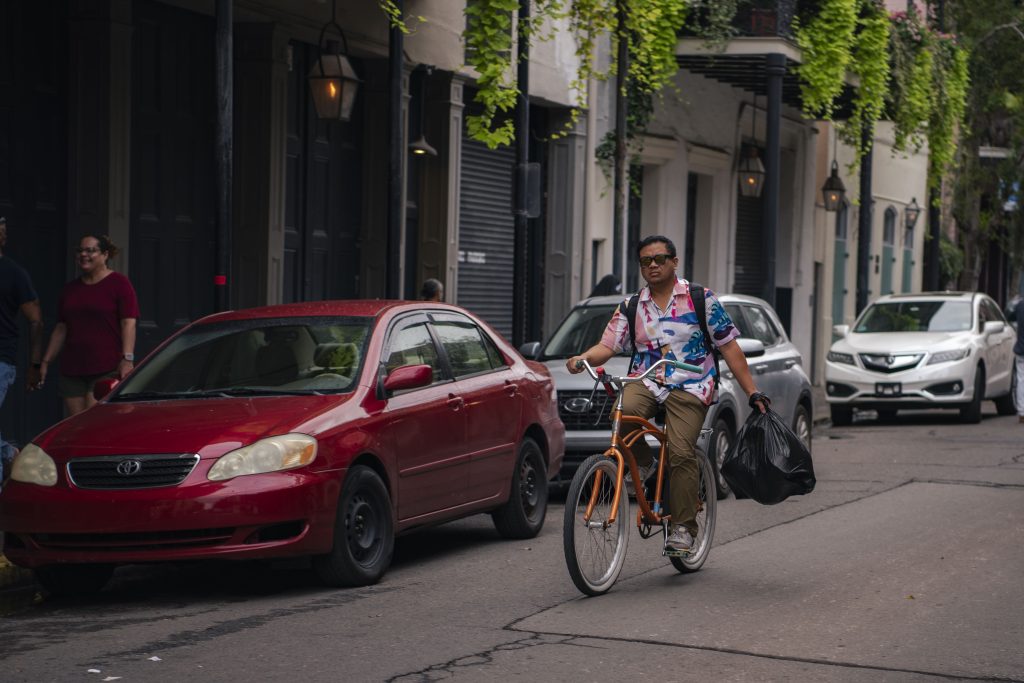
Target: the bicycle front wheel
(595, 549)
(707, 504)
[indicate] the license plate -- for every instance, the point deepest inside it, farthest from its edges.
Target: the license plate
(888, 389)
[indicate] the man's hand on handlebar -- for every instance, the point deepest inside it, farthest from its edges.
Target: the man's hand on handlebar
(574, 364)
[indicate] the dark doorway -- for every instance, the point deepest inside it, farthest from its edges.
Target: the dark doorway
(172, 217)
(322, 209)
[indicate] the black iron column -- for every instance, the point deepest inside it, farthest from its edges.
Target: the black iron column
(775, 68)
(520, 237)
(932, 269)
(864, 221)
(224, 80)
(621, 186)
(396, 40)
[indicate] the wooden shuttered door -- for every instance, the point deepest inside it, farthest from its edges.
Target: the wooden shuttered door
(749, 267)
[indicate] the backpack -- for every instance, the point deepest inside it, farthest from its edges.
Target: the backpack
(628, 309)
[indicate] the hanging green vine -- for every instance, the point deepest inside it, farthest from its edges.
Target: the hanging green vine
(871, 66)
(827, 42)
(489, 51)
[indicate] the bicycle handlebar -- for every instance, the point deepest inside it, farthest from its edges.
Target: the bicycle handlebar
(639, 378)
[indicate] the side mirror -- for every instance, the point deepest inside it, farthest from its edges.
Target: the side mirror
(840, 331)
(751, 348)
(530, 350)
(103, 387)
(409, 377)
(994, 326)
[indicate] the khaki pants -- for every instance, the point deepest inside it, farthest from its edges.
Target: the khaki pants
(684, 416)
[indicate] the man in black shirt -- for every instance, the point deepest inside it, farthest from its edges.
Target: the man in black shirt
(16, 294)
(1018, 350)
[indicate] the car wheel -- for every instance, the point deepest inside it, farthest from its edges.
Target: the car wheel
(802, 426)
(74, 579)
(1004, 404)
(842, 416)
(523, 515)
(364, 532)
(718, 447)
(971, 413)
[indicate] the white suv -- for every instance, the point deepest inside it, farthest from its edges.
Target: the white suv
(930, 350)
(774, 361)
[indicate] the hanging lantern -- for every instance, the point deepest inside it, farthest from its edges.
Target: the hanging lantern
(833, 190)
(910, 213)
(332, 80)
(751, 172)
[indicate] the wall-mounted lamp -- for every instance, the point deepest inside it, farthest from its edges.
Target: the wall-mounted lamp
(910, 213)
(422, 148)
(833, 190)
(751, 170)
(332, 80)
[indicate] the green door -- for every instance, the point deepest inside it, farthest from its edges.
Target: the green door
(888, 246)
(839, 267)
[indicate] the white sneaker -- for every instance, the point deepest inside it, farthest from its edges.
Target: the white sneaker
(679, 541)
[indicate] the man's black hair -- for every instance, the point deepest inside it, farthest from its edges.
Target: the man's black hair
(656, 238)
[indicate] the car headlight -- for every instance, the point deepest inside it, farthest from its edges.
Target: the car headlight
(273, 454)
(33, 466)
(948, 356)
(840, 357)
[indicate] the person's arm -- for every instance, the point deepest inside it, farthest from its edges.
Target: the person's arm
(31, 311)
(127, 347)
(737, 362)
(598, 354)
(60, 332)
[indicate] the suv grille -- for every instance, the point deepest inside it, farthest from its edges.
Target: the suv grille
(883, 362)
(585, 421)
(131, 471)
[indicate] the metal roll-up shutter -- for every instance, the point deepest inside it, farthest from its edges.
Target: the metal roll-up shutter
(749, 268)
(486, 233)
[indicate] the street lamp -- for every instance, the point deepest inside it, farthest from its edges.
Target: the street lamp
(751, 170)
(833, 190)
(332, 80)
(422, 148)
(910, 213)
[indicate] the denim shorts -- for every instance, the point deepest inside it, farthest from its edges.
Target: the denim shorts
(70, 387)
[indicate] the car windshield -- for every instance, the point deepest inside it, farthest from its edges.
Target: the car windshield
(916, 316)
(580, 330)
(254, 358)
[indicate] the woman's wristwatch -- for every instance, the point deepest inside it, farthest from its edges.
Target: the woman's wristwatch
(130, 357)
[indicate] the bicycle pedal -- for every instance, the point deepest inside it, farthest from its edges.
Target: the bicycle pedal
(672, 552)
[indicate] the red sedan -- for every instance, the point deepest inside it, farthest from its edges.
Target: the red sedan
(320, 429)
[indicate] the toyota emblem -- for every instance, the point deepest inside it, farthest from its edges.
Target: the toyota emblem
(128, 468)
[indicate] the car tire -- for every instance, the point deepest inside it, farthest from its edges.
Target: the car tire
(1004, 404)
(74, 579)
(718, 447)
(523, 515)
(842, 416)
(364, 532)
(971, 413)
(802, 425)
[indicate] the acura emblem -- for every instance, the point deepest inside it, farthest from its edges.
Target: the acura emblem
(890, 360)
(577, 405)
(128, 468)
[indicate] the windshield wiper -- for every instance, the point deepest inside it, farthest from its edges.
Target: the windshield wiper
(253, 391)
(157, 395)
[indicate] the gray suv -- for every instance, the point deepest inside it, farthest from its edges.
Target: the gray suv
(774, 361)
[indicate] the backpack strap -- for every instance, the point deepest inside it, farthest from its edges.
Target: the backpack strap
(697, 299)
(628, 309)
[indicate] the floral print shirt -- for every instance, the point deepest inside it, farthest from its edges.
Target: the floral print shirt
(675, 334)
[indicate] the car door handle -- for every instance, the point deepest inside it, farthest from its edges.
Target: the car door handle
(789, 363)
(455, 402)
(760, 369)
(510, 388)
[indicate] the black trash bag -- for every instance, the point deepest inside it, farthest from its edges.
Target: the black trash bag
(768, 462)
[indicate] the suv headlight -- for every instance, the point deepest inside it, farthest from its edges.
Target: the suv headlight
(840, 357)
(948, 356)
(33, 466)
(273, 454)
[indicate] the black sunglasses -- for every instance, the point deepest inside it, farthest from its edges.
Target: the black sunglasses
(660, 259)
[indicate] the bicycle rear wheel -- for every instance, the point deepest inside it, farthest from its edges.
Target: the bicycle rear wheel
(707, 504)
(595, 550)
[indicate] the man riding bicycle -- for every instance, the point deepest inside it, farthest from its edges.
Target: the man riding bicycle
(666, 326)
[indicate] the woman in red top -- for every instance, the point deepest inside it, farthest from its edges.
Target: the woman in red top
(96, 318)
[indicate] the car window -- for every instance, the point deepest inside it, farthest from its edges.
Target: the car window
(760, 326)
(308, 354)
(465, 347)
(412, 344)
(580, 330)
(916, 316)
(992, 311)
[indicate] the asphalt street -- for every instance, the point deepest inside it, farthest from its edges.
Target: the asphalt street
(904, 564)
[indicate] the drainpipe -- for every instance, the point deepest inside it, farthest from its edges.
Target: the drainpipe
(396, 41)
(223, 153)
(864, 221)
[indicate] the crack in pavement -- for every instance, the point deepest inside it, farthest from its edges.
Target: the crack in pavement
(436, 672)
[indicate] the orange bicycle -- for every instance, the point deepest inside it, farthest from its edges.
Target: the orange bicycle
(595, 534)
